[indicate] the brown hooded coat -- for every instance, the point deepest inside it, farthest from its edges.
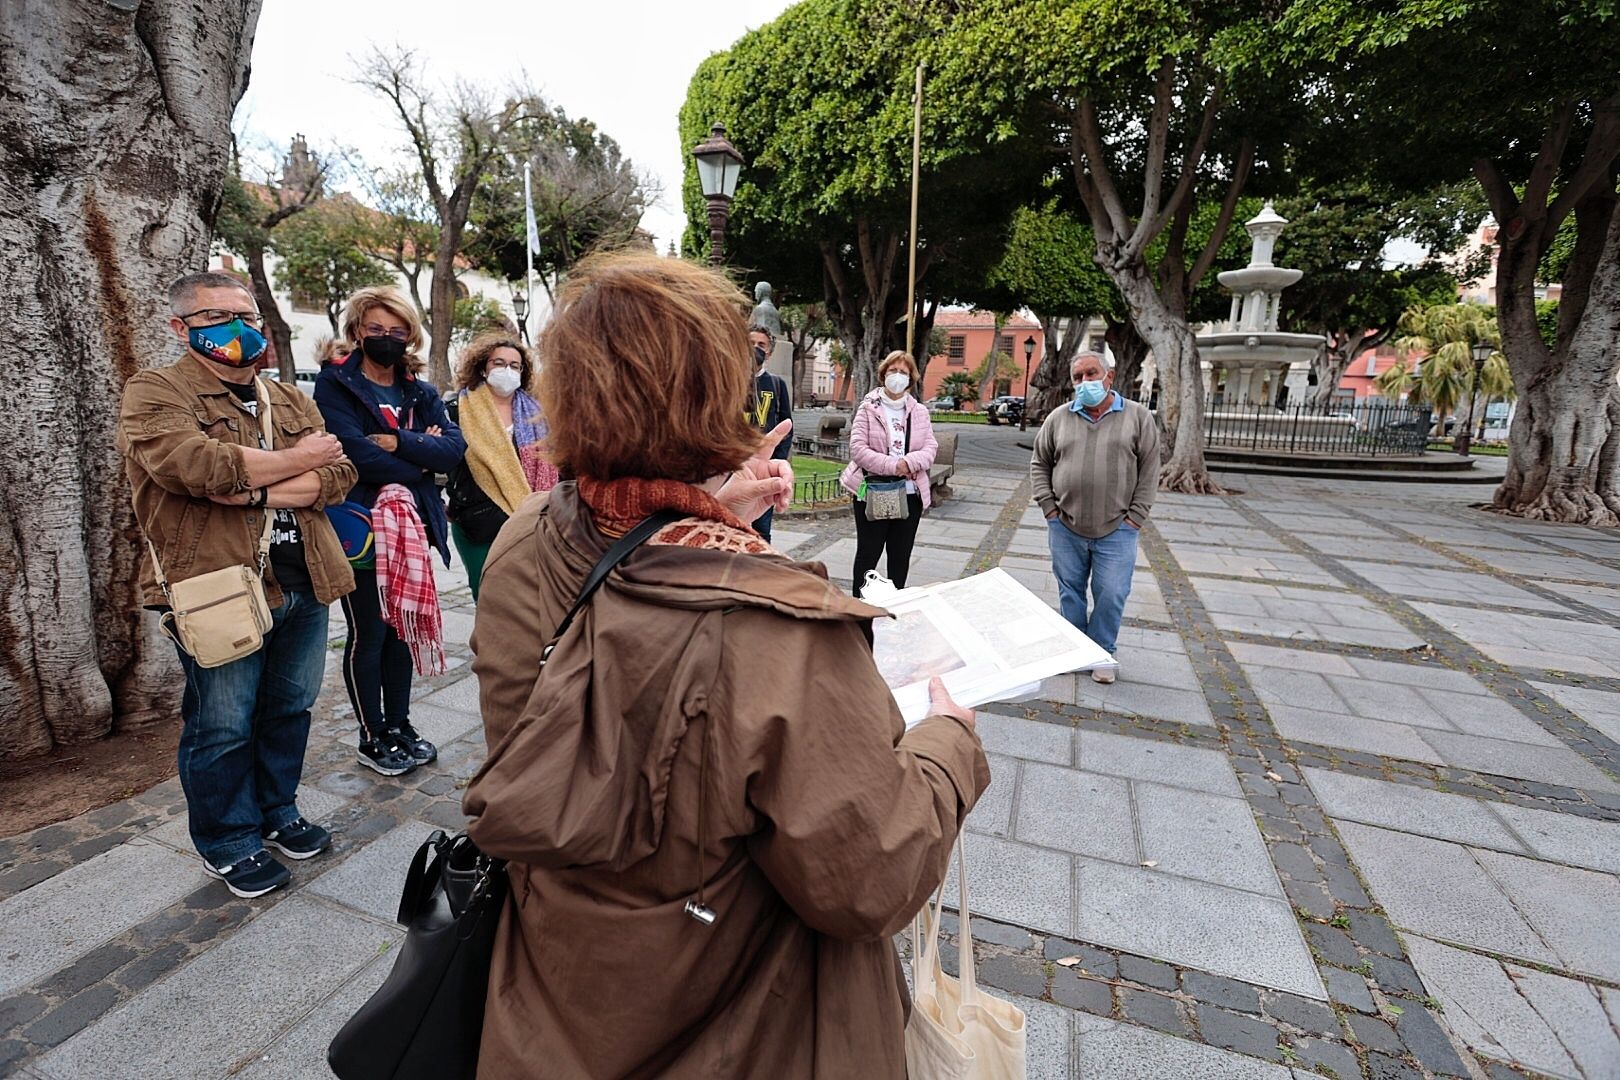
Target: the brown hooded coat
(825, 824)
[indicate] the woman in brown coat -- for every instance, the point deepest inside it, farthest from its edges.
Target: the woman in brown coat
(711, 733)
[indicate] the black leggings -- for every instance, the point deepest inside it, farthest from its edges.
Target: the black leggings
(895, 536)
(376, 662)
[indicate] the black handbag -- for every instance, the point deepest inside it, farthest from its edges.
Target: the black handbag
(426, 1020)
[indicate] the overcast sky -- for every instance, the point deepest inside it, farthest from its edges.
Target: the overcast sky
(622, 63)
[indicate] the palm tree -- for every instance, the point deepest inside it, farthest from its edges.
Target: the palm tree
(1495, 381)
(1445, 335)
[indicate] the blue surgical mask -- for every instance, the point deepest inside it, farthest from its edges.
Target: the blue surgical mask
(234, 343)
(1089, 393)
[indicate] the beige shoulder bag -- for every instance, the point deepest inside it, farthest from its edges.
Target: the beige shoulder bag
(222, 615)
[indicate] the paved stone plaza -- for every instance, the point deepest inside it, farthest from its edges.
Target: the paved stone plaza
(1352, 810)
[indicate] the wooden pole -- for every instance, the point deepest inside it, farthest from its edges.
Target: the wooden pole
(916, 164)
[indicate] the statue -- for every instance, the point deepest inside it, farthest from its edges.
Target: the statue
(765, 313)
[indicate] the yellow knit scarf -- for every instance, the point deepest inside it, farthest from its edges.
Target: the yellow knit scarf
(490, 453)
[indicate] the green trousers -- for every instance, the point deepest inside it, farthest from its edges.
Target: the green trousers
(472, 555)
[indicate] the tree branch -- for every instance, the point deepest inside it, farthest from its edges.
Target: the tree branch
(1240, 177)
(1498, 192)
(1548, 159)
(1089, 141)
(1146, 230)
(1602, 146)
(1158, 139)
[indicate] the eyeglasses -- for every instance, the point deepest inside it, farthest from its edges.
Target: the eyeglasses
(515, 365)
(398, 333)
(216, 316)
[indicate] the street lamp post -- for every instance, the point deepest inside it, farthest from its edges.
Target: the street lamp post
(1029, 352)
(718, 165)
(520, 308)
(1482, 352)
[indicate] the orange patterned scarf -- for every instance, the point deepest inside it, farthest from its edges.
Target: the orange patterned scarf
(619, 505)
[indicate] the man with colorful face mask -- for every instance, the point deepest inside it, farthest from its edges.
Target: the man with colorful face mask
(203, 476)
(1095, 471)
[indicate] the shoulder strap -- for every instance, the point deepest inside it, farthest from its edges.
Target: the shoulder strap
(267, 435)
(908, 429)
(615, 555)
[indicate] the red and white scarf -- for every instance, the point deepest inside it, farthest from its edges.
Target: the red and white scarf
(405, 586)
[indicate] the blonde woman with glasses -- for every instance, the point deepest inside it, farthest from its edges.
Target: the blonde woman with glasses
(394, 427)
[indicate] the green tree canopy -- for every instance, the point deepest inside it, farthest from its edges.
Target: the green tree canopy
(324, 258)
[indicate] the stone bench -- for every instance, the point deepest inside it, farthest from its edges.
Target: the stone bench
(944, 466)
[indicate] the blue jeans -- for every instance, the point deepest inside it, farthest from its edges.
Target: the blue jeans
(246, 725)
(1106, 564)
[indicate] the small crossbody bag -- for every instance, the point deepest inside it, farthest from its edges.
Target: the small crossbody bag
(222, 615)
(886, 496)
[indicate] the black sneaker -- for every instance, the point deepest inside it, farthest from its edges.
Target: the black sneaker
(299, 839)
(255, 875)
(386, 755)
(420, 749)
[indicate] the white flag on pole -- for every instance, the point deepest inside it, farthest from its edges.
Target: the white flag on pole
(528, 208)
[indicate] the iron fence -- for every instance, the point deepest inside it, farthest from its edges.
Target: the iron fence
(822, 488)
(826, 449)
(1357, 429)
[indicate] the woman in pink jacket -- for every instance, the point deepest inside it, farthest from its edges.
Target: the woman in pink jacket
(891, 439)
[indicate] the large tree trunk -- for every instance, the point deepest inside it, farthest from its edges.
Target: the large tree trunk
(442, 305)
(1563, 440)
(1051, 384)
(274, 322)
(1181, 400)
(1130, 353)
(114, 139)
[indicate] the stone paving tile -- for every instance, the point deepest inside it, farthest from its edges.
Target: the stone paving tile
(1540, 564)
(1215, 929)
(1497, 541)
(1131, 698)
(1507, 904)
(1600, 708)
(1514, 639)
(370, 880)
(1204, 512)
(1108, 1050)
(209, 1015)
(45, 928)
(1409, 711)
(1208, 837)
(301, 1053)
(1079, 812)
(1351, 544)
(1017, 883)
(1571, 909)
(1600, 597)
(1435, 814)
(1158, 762)
(992, 814)
(1458, 586)
(1238, 562)
(1029, 739)
(1492, 1007)
(1283, 612)
(1240, 538)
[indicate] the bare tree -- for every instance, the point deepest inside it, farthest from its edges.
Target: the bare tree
(118, 115)
(402, 232)
(454, 135)
(249, 214)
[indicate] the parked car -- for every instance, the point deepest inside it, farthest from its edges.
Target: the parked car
(944, 403)
(1008, 408)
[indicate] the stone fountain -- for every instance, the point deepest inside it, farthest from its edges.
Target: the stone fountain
(1248, 353)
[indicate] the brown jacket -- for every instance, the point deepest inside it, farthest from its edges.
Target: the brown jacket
(826, 824)
(180, 430)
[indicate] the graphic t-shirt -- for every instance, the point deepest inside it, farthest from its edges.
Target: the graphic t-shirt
(894, 416)
(772, 404)
(390, 402)
(287, 558)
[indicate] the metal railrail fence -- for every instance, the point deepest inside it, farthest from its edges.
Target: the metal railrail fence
(1363, 429)
(809, 490)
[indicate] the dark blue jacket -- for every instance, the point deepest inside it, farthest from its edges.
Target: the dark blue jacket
(350, 410)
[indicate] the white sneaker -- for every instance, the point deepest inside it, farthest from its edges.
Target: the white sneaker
(1104, 675)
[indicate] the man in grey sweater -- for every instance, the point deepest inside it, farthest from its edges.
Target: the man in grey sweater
(1095, 469)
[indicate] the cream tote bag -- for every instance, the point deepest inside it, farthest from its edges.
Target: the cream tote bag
(956, 1031)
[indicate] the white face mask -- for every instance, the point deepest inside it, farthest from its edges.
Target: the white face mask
(504, 381)
(896, 383)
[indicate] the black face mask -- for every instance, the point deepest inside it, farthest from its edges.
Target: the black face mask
(384, 350)
(759, 356)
